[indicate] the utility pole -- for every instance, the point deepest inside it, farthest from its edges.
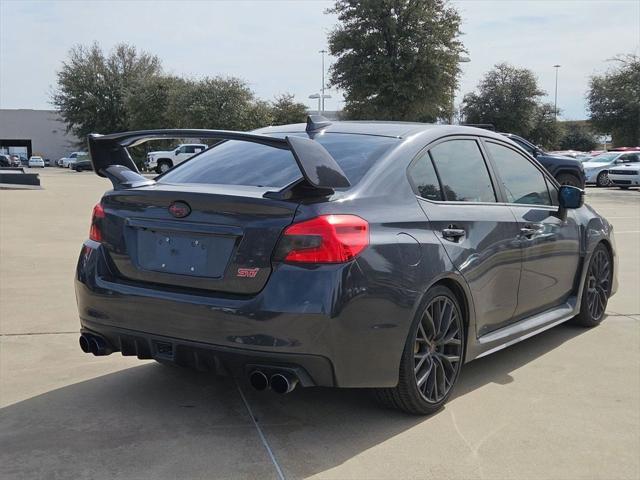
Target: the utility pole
(323, 51)
(555, 102)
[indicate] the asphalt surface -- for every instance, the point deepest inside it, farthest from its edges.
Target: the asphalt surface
(562, 405)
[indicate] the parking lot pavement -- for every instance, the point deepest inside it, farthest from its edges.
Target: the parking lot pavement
(563, 405)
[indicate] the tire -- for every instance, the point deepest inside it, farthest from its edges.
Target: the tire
(437, 351)
(603, 179)
(569, 179)
(597, 289)
(163, 166)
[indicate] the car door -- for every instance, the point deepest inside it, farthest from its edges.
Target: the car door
(457, 194)
(550, 245)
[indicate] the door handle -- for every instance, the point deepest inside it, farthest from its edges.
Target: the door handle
(453, 234)
(529, 231)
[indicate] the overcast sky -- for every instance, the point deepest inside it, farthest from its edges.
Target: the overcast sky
(274, 45)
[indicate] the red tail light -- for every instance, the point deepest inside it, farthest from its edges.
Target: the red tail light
(324, 239)
(94, 232)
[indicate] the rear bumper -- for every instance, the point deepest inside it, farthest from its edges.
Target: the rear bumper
(311, 370)
(323, 321)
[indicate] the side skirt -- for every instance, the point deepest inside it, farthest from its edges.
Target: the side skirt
(507, 336)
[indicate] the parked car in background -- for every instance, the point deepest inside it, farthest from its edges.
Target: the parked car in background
(36, 161)
(596, 169)
(82, 165)
(5, 160)
(626, 171)
(161, 161)
(66, 162)
(566, 170)
(348, 254)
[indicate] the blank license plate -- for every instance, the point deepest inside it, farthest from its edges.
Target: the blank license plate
(195, 255)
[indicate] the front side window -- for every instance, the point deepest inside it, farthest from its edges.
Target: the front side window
(462, 171)
(522, 181)
(630, 158)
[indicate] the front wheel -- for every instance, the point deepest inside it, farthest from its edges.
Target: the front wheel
(603, 179)
(432, 356)
(568, 179)
(163, 166)
(597, 288)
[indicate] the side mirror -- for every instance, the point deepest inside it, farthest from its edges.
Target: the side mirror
(177, 151)
(570, 197)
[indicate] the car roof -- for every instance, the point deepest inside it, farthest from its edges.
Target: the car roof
(384, 128)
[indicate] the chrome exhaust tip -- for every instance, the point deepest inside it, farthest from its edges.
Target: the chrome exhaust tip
(283, 383)
(258, 380)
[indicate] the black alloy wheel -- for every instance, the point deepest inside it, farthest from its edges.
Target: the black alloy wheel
(597, 288)
(432, 357)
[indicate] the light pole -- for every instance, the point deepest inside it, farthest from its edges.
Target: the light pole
(315, 96)
(323, 51)
(462, 59)
(555, 101)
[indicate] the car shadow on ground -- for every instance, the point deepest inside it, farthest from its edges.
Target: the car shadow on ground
(155, 421)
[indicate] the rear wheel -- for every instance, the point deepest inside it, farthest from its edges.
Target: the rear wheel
(597, 288)
(568, 179)
(603, 179)
(432, 357)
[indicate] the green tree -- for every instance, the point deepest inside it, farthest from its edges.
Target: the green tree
(147, 102)
(545, 130)
(396, 59)
(614, 101)
(578, 136)
(286, 110)
(92, 86)
(508, 98)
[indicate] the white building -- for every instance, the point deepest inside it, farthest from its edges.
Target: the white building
(35, 132)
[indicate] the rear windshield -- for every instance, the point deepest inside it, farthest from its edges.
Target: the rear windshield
(236, 162)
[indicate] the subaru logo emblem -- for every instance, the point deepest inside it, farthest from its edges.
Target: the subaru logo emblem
(179, 209)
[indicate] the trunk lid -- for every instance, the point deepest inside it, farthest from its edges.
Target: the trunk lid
(224, 244)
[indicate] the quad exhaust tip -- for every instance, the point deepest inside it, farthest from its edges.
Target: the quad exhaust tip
(94, 344)
(258, 380)
(282, 383)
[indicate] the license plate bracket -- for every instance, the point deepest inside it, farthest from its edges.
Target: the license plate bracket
(184, 254)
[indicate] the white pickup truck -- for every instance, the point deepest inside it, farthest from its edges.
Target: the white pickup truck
(163, 161)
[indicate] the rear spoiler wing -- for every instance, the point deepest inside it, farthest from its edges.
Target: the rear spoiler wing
(110, 158)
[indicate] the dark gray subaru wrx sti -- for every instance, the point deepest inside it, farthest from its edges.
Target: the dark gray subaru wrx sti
(345, 254)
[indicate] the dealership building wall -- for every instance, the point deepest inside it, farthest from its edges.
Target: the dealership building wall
(35, 132)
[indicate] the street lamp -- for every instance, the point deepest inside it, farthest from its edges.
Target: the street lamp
(320, 98)
(555, 101)
(461, 59)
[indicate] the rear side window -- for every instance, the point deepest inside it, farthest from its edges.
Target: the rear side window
(244, 163)
(523, 182)
(462, 171)
(424, 179)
